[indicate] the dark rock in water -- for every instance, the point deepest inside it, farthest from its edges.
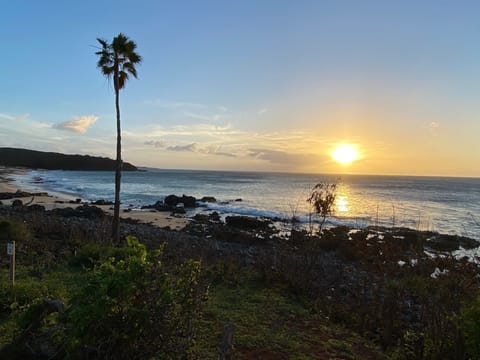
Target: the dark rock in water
(59, 202)
(127, 210)
(159, 206)
(208, 199)
(17, 204)
(187, 201)
(172, 200)
(238, 200)
(78, 201)
(215, 217)
(178, 210)
(441, 242)
(248, 223)
(102, 202)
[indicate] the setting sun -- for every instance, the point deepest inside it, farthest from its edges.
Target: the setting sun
(345, 154)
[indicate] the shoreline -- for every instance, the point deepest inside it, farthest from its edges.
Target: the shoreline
(58, 201)
(245, 230)
(11, 181)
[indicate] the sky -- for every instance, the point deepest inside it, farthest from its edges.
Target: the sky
(257, 85)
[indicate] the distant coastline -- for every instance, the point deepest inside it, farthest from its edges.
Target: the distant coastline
(32, 159)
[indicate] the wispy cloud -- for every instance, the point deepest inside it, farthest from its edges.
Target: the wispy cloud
(14, 117)
(283, 157)
(262, 111)
(210, 118)
(174, 104)
(78, 125)
(183, 148)
(156, 143)
(216, 150)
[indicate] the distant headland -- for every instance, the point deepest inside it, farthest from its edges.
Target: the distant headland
(56, 161)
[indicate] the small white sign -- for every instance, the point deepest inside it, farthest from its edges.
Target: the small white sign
(9, 248)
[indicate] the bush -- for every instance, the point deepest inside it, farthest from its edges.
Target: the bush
(469, 321)
(134, 308)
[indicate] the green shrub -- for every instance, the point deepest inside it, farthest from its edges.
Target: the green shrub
(134, 308)
(469, 321)
(12, 230)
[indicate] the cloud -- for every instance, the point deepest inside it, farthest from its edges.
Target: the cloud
(183, 148)
(156, 143)
(14, 117)
(174, 104)
(6, 116)
(78, 125)
(194, 148)
(262, 111)
(283, 157)
(433, 128)
(213, 118)
(216, 150)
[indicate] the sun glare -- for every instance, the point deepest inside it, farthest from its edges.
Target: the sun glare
(345, 154)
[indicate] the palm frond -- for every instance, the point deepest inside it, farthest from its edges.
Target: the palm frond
(118, 56)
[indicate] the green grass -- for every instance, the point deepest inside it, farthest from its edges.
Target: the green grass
(270, 323)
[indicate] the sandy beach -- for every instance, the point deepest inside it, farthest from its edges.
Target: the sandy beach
(49, 201)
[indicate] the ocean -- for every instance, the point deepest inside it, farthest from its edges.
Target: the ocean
(445, 205)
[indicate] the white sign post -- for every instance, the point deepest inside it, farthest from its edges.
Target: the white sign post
(11, 253)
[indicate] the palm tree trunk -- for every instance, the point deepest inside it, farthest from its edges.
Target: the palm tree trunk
(118, 169)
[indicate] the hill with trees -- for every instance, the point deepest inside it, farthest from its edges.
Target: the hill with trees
(57, 161)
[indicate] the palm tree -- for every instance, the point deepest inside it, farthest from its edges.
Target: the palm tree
(118, 60)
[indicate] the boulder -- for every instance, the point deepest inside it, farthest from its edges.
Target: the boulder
(178, 210)
(174, 200)
(159, 206)
(84, 211)
(102, 202)
(208, 199)
(189, 201)
(17, 204)
(448, 243)
(248, 223)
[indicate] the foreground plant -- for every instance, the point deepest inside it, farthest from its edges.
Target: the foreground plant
(135, 308)
(322, 201)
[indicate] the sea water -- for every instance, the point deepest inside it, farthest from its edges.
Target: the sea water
(446, 205)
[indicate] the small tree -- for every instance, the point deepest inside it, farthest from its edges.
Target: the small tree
(322, 201)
